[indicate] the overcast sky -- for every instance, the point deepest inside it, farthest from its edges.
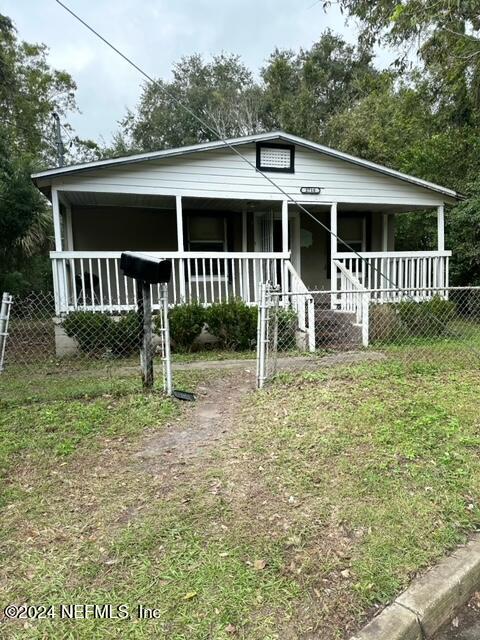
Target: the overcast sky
(157, 33)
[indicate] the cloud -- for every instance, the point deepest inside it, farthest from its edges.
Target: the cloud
(156, 33)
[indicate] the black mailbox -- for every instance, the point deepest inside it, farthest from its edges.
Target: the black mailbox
(147, 268)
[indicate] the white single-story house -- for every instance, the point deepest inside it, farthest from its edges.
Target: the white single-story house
(227, 227)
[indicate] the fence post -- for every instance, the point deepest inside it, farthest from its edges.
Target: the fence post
(365, 318)
(261, 335)
(4, 318)
(272, 353)
(167, 362)
(311, 323)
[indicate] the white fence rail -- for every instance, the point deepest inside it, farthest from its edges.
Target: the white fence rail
(93, 280)
(388, 273)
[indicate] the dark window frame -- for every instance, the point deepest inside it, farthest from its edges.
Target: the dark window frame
(268, 145)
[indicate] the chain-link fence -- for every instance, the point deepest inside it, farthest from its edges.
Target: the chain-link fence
(41, 345)
(318, 329)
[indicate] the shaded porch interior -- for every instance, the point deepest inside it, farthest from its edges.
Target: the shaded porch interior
(222, 248)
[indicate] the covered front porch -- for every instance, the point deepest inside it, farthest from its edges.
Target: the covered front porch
(223, 248)
(219, 248)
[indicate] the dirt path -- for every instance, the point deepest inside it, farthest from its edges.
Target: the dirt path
(210, 419)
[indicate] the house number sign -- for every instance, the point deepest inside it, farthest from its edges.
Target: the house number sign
(310, 191)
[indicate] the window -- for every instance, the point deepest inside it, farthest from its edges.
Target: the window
(206, 234)
(276, 157)
(352, 230)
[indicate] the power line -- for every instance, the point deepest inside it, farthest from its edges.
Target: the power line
(204, 124)
(232, 148)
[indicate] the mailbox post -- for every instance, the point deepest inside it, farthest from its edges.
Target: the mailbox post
(146, 270)
(144, 307)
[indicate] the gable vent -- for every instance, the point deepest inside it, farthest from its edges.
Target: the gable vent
(275, 157)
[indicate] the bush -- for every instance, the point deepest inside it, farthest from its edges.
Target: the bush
(92, 331)
(428, 318)
(384, 323)
(98, 332)
(425, 319)
(186, 324)
(233, 323)
(287, 326)
(126, 334)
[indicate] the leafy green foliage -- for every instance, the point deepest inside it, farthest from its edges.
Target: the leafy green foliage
(30, 90)
(303, 90)
(186, 323)
(97, 333)
(287, 326)
(221, 91)
(463, 235)
(426, 319)
(233, 323)
(90, 330)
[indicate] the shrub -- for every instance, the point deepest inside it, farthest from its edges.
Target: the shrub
(428, 318)
(287, 326)
(186, 323)
(91, 330)
(233, 323)
(384, 323)
(98, 332)
(126, 334)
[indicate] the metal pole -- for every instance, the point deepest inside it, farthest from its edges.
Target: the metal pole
(144, 306)
(58, 140)
(168, 385)
(261, 337)
(365, 318)
(273, 349)
(4, 317)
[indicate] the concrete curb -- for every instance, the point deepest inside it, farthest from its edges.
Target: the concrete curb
(430, 601)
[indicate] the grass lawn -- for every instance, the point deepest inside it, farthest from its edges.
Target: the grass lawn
(328, 493)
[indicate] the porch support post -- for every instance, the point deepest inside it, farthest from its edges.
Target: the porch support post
(441, 227)
(385, 232)
(56, 220)
(440, 244)
(245, 283)
(180, 247)
(284, 226)
(59, 274)
(283, 271)
(333, 252)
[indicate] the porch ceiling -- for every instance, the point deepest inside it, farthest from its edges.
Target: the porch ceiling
(92, 198)
(150, 201)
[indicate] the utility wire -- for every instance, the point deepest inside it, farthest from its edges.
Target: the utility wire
(205, 125)
(232, 148)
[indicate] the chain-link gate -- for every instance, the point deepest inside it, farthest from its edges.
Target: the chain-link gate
(317, 329)
(5, 308)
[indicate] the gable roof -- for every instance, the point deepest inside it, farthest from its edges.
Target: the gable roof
(220, 144)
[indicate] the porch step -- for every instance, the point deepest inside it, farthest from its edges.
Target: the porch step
(336, 330)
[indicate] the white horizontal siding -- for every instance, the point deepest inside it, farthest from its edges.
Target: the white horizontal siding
(223, 174)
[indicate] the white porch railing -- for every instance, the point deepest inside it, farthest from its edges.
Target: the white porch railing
(391, 275)
(93, 280)
(354, 298)
(302, 303)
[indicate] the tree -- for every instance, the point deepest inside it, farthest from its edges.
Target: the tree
(303, 91)
(463, 234)
(221, 92)
(30, 91)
